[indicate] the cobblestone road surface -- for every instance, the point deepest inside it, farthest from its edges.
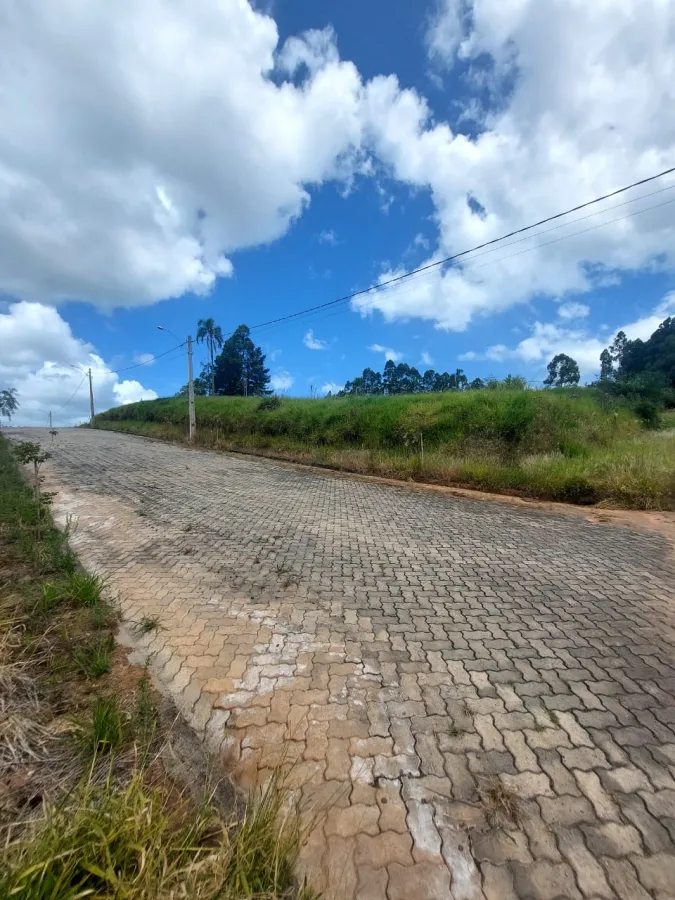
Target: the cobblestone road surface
(425, 659)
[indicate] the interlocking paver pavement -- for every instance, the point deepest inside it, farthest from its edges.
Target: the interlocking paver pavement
(411, 651)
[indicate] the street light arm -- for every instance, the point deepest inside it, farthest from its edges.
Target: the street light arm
(162, 328)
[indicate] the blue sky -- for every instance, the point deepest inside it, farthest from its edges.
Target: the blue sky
(201, 159)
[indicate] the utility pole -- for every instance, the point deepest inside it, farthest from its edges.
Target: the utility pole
(191, 393)
(50, 420)
(191, 384)
(91, 398)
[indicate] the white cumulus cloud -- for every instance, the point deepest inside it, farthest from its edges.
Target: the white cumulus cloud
(573, 310)
(143, 143)
(47, 365)
(393, 355)
(546, 339)
(426, 359)
(314, 343)
(580, 97)
(282, 380)
(145, 359)
(331, 387)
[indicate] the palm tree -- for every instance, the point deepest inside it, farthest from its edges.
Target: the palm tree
(8, 402)
(208, 331)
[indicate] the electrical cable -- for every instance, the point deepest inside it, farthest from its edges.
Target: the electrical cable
(149, 362)
(72, 395)
(598, 212)
(448, 259)
(424, 270)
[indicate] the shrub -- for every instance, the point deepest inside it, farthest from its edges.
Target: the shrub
(270, 403)
(648, 413)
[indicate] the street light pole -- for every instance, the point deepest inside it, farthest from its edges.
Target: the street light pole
(191, 385)
(91, 398)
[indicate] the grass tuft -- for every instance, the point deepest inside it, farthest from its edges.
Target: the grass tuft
(103, 842)
(138, 842)
(265, 844)
(107, 728)
(146, 716)
(501, 805)
(79, 588)
(94, 658)
(148, 624)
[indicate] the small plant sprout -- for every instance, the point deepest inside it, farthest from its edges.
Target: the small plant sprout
(30, 452)
(148, 624)
(502, 806)
(553, 716)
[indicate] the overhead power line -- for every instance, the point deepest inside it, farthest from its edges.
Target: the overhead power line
(73, 394)
(448, 259)
(557, 240)
(149, 362)
(312, 314)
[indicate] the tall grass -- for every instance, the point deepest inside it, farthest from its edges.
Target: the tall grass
(577, 445)
(136, 841)
(505, 421)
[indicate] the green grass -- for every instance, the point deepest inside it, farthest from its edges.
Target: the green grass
(146, 714)
(576, 446)
(138, 843)
(106, 730)
(93, 658)
(148, 624)
(79, 588)
(104, 842)
(527, 421)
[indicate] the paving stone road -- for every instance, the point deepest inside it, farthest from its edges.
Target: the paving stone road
(424, 658)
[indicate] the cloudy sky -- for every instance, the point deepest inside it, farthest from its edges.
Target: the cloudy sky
(176, 159)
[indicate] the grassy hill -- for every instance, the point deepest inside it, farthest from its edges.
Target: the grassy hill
(571, 445)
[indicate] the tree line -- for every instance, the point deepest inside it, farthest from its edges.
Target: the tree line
(404, 379)
(637, 369)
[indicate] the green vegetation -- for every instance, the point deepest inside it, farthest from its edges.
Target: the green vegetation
(238, 370)
(93, 658)
(89, 808)
(563, 371)
(79, 588)
(606, 443)
(8, 403)
(147, 624)
(578, 445)
(106, 729)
